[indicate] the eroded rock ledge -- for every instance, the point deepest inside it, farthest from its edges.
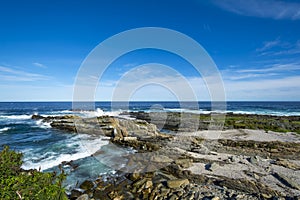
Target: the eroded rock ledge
(175, 121)
(198, 168)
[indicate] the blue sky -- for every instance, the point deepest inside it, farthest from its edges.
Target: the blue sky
(254, 43)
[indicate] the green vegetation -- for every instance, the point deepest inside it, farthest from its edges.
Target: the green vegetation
(262, 122)
(16, 183)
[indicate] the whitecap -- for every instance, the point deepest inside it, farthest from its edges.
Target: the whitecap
(86, 146)
(42, 124)
(4, 129)
(18, 117)
(98, 113)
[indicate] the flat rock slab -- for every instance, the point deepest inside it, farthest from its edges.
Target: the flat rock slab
(177, 183)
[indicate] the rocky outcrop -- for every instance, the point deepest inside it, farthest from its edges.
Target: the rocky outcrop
(287, 181)
(272, 149)
(115, 128)
(176, 166)
(169, 184)
(185, 122)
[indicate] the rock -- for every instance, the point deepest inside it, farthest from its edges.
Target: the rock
(133, 176)
(213, 153)
(200, 149)
(177, 183)
(240, 196)
(128, 195)
(37, 117)
(118, 198)
(233, 159)
(164, 191)
(83, 197)
(113, 194)
(64, 125)
(87, 185)
(287, 181)
(151, 167)
(274, 150)
(161, 159)
(253, 160)
(75, 193)
(173, 197)
(126, 139)
(215, 198)
(138, 184)
(256, 176)
(184, 163)
(266, 196)
(287, 164)
(148, 184)
(99, 194)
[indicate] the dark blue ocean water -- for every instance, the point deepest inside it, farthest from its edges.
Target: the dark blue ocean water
(45, 148)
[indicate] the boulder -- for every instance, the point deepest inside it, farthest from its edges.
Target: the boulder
(87, 185)
(83, 197)
(177, 183)
(184, 163)
(148, 184)
(75, 193)
(127, 139)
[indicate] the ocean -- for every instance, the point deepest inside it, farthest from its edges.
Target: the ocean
(45, 148)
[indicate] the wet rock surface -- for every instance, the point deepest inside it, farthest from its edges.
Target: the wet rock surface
(188, 166)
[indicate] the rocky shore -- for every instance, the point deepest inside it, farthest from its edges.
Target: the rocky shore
(238, 162)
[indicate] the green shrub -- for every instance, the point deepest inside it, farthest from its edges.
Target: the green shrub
(16, 183)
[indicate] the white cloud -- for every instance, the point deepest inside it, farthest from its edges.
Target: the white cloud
(274, 9)
(275, 88)
(278, 47)
(251, 84)
(10, 74)
(130, 65)
(39, 65)
(248, 76)
(270, 89)
(269, 44)
(163, 84)
(274, 68)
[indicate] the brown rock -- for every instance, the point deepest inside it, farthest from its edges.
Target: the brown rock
(83, 197)
(75, 194)
(148, 184)
(87, 185)
(177, 183)
(184, 163)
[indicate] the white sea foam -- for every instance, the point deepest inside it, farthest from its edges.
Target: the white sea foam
(86, 114)
(97, 113)
(86, 146)
(182, 110)
(18, 117)
(42, 124)
(4, 129)
(265, 112)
